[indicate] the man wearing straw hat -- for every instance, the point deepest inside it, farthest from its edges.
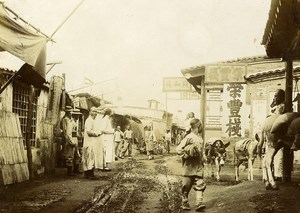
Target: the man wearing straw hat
(70, 143)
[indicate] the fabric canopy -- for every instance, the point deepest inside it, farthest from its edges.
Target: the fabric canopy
(22, 42)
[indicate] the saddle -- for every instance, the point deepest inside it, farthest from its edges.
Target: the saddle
(243, 145)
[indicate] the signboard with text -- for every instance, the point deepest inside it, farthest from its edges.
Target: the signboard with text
(235, 114)
(225, 73)
(176, 84)
(190, 95)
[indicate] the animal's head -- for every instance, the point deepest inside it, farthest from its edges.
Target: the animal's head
(217, 150)
(221, 150)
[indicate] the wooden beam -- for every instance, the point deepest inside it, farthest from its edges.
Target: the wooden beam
(287, 154)
(289, 85)
(2, 88)
(29, 132)
(202, 106)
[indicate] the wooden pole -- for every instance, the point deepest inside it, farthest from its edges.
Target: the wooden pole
(289, 86)
(63, 102)
(29, 132)
(66, 19)
(202, 108)
(2, 88)
(166, 110)
(287, 154)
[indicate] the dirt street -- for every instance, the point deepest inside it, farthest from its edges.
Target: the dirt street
(140, 185)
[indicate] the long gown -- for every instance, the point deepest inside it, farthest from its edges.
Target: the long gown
(107, 139)
(88, 149)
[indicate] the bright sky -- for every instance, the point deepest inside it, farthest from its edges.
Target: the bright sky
(141, 41)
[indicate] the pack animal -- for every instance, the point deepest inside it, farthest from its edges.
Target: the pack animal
(215, 152)
(245, 151)
(278, 131)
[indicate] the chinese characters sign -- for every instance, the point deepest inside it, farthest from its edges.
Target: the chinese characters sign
(176, 84)
(234, 106)
(225, 74)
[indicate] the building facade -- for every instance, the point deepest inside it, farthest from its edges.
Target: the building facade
(236, 95)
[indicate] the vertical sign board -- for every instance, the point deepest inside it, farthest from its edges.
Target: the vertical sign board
(235, 113)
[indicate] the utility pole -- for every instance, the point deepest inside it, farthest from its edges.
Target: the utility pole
(167, 110)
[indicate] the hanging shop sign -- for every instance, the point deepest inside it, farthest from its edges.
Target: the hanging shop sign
(234, 107)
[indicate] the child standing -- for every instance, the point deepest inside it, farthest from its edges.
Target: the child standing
(192, 152)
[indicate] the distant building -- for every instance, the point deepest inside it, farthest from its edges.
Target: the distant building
(160, 120)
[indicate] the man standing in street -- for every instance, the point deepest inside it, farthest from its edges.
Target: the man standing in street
(127, 143)
(107, 138)
(118, 135)
(168, 138)
(70, 143)
(89, 154)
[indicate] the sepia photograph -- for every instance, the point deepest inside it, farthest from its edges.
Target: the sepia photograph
(148, 106)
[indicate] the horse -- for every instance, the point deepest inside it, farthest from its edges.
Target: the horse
(215, 152)
(245, 150)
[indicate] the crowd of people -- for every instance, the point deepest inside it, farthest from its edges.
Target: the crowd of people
(98, 145)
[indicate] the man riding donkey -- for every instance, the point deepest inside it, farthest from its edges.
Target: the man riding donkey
(191, 149)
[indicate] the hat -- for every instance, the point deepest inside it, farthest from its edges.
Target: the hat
(68, 109)
(76, 112)
(107, 111)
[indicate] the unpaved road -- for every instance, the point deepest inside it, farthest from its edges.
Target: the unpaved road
(140, 185)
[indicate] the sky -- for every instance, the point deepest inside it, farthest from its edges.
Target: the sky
(127, 47)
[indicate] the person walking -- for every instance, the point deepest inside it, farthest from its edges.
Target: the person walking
(90, 142)
(128, 140)
(168, 139)
(191, 151)
(118, 137)
(107, 138)
(70, 142)
(149, 141)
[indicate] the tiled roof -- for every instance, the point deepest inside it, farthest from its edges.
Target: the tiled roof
(243, 60)
(269, 72)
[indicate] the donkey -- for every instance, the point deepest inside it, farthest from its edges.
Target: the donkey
(215, 152)
(245, 150)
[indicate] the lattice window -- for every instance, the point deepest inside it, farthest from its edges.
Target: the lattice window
(20, 106)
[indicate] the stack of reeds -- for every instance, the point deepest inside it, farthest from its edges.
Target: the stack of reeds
(13, 159)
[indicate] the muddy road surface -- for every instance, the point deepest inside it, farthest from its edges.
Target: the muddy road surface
(154, 186)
